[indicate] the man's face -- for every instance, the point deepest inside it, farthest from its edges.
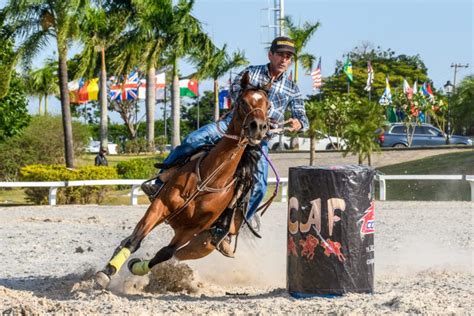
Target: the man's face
(279, 62)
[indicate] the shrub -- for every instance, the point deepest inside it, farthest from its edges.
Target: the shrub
(138, 168)
(135, 146)
(70, 195)
(41, 142)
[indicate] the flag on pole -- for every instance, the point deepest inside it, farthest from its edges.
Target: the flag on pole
(426, 90)
(370, 77)
(348, 69)
(188, 88)
(406, 87)
(316, 75)
(127, 90)
(386, 97)
(160, 81)
(415, 87)
(81, 91)
(224, 99)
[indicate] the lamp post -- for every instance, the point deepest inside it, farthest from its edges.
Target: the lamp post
(448, 88)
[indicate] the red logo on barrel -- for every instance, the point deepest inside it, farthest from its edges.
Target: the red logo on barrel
(368, 220)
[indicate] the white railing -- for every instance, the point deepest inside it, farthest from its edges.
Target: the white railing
(383, 178)
(135, 186)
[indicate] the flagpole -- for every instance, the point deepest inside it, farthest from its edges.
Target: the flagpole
(164, 116)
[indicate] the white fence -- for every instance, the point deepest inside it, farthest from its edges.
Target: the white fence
(383, 178)
(135, 184)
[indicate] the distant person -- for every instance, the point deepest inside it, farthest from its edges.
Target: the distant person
(100, 159)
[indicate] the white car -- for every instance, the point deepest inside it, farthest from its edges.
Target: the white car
(94, 147)
(326, 143)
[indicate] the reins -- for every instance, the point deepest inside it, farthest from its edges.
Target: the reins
(202, 184)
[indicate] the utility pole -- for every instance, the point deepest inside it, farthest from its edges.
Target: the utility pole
(456, 66)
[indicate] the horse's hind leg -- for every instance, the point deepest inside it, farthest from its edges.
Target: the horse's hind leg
(142, 267)
(132, 243)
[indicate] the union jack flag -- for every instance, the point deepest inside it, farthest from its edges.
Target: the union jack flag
(127, 90)
(317, 79)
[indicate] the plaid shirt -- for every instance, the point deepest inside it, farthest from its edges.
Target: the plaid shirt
(284, 93)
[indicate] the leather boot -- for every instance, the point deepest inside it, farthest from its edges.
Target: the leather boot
(151, 189)
(226, 248)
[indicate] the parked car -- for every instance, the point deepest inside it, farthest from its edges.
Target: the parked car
(94, 147)
(395, 135)
(326, 143)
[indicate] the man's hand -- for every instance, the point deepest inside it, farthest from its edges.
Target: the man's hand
(295, 125)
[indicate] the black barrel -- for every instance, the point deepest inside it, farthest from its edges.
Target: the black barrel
(330, 230)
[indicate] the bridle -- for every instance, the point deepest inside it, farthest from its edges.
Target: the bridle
(243, 110)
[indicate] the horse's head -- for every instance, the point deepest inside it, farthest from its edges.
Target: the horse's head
(250, 116)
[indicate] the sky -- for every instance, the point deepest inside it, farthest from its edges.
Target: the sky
(441, 32)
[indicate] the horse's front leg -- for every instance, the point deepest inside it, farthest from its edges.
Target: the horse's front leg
(129, 245)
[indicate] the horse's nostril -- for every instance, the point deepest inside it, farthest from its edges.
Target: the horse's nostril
(264, 127)
(253, 125)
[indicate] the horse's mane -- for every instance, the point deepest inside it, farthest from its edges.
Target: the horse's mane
(248, 164)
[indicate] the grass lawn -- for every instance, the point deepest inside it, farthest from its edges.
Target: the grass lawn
(431, 190)
(88, 159)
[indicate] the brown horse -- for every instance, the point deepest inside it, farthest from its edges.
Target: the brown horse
(197, 194)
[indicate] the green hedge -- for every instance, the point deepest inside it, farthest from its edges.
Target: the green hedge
(138, 168)
(72, 195)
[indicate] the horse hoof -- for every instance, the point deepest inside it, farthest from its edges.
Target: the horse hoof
(102, 279)
(138, 266)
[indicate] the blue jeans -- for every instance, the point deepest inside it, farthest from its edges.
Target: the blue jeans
(208, 135)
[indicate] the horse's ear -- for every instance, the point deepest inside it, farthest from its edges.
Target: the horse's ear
(244, 82)
(268, 86)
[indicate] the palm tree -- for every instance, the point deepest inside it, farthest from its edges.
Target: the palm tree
(301, 37)
(185, 37)
(99, 30)
(216, 64)
(43, 82)
(37, 22)
(144, 45)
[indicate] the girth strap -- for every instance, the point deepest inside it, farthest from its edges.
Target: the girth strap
(205, 187)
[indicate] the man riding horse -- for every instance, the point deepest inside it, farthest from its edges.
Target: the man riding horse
(284, 94)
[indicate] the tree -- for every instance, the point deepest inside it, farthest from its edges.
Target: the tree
(144, 45)
(99, 30)
(184, 37)
(38, 22)
(384, 62)
(43, 82)
(462, 106)
(7, 57)
(128, 112)
(365, 121)
(14, 115)
(315, 119)
(202, 105)
(301, 37)
(13, 102)
(216, 64)
(38, 145)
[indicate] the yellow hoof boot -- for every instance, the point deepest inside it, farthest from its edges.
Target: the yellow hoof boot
(138, 266)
